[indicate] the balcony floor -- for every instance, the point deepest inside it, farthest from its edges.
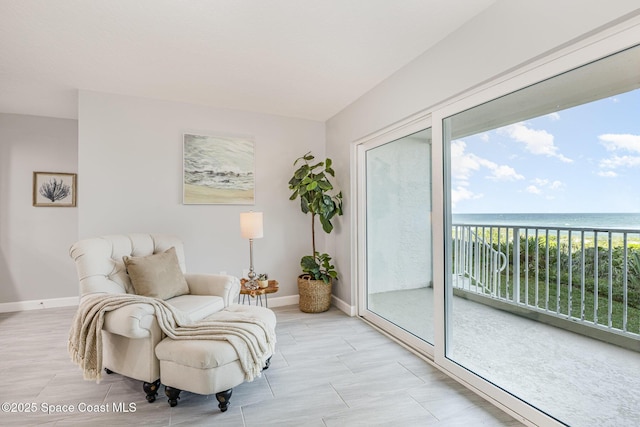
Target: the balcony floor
(577, 379)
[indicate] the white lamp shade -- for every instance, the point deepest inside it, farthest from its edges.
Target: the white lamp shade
(251, 225)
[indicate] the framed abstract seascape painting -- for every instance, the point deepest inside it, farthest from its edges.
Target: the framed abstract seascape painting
(54, 189)
(218, 170)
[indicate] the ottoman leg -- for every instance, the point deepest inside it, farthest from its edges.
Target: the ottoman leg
(223, 399)
(151, 389)
(267, 363)
(173, 394)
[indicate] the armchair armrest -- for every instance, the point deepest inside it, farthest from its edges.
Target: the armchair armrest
(131, 321)
(227, 287)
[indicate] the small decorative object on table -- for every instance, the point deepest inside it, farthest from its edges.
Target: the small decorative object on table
(263, 280)
(272, 287)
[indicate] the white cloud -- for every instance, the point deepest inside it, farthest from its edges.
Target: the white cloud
(556, 185)
(539, 184)
(619, 142)
(533, 189)
(461, 193)
(485, 137)
(620, 161)
(554, 116)
(625, 141)
(504, 173)
(539, 142)
(463, 164)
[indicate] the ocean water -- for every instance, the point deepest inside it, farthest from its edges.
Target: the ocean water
(627, 221)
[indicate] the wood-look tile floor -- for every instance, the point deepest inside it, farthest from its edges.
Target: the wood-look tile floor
(329, 370)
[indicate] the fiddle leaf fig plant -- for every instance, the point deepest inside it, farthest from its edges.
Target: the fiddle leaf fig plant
(310, 183)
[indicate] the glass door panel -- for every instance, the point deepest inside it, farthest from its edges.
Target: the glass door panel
(399, 279)
(538, 251)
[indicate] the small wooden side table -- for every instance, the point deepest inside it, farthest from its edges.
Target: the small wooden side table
(257, 293)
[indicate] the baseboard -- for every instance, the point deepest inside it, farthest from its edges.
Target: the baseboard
(7, 307)
(349, 310)
(295, 299)
(282, 301)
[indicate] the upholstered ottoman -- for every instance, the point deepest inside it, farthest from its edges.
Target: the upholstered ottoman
(207, 366)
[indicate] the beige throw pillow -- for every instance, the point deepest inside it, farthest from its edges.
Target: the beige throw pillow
(158, 275)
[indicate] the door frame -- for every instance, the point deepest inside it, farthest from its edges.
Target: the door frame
(407, 127)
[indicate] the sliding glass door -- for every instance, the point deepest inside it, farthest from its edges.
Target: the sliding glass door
(503, 239)
(542, 227)
(398, 285)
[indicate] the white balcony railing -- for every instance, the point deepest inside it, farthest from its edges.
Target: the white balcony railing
(583, 275)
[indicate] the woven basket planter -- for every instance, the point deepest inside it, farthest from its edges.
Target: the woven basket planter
(315, 295)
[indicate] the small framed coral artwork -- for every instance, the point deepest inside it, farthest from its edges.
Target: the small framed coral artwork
(54, 189)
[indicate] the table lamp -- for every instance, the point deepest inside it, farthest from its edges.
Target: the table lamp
(251, 228)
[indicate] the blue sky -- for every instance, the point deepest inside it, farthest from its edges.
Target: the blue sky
(582, 159)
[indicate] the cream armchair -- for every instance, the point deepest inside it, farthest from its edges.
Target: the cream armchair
(130, 334)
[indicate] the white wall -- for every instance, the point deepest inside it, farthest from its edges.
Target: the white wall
(35, 241)
(504, 36)
(130, 178)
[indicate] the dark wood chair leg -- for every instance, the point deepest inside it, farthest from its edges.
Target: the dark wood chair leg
(108, 371)
(151, 389)
(267, 363)
(173, 394)
(223, 399)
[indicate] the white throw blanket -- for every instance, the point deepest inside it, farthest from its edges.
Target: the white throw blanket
(252, 339)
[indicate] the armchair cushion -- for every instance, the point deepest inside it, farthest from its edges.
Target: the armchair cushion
(136, 320)
(157, 276)
(197, 307)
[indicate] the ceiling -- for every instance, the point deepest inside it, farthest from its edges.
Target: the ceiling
(297, 58)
